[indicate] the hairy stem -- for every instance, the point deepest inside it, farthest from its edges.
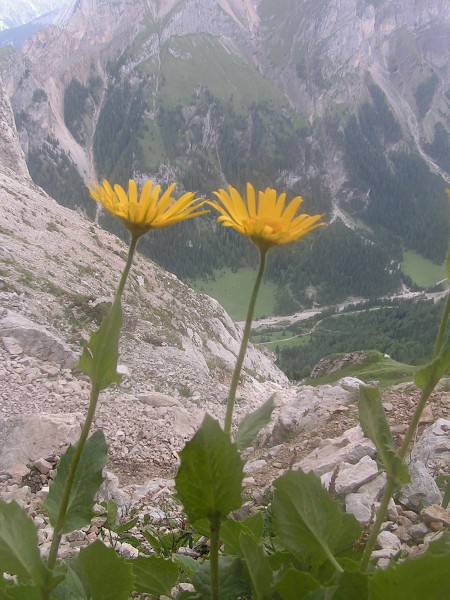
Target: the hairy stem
(214, 556)
(94, 395)
(244, 343)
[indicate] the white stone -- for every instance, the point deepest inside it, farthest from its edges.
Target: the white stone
(388, 540)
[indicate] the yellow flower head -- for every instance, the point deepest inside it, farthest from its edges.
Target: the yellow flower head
(266, 220)
(148, 211)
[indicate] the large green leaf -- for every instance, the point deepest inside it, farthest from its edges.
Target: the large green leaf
(209, 480)
(100, 355)
(258, 566)
(154, 575)
(252, 424)
(376, 427)
(233, 582)
(20, 592)
(104, 573)
(295, 585)
(352, 586)
(88, 479)
(427, 378)
(415, 579)
(308, 522)
(19, 553)
(74, 587)
(231, 530)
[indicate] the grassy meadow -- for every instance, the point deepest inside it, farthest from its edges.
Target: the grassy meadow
(422, 271)
(233, 291)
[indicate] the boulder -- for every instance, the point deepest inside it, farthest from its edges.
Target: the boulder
(35, 340)
(26, 438)
(349, 447)
(311, 407)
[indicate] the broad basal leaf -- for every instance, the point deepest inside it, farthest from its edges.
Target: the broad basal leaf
(105, 573)
(87, 481)
(19, 553)
(376, 427)
(100, 355)
(414, 579)
(308, 522)
(233, 582)
(295, 585)
(154, 575)
(258, 566)
(231, 530)
(252, 424)
(209, 480)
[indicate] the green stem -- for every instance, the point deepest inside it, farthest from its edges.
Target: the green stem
(390, 485)
(372, 539)
(244, 343)
(57, 534)
(214, 556)
(94, 395)
(442, 328)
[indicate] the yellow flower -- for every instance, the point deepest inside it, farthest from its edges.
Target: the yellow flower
(149, 210)
(266, 221)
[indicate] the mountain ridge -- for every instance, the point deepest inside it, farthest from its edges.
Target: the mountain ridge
(343, 104)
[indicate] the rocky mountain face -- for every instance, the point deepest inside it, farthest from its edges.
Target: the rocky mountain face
(345, 103)
(19, 12)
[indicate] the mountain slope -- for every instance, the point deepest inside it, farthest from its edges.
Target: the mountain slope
(19, 12)
(346, 105)
(60, 271)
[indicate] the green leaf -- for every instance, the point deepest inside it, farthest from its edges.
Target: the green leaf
(154, 575)
(294, 585)
(100, 355)
(232, 580)
(209, 480)
(19, 553)
(428, 377)
(376, 427)
(104, 573)
(187, 563)
(88, 479)
(252, 424)
(352, 586)
(231, 530)
(309, 523)
(20, 592)
(258, 566)
(415, 579)
(73, 587)
(124, 527)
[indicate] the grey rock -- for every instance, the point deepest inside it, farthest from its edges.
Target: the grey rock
(360, 505)
(388, 540)
(422, 491)
(43, 466)
(351, 477)
(349, 447)
(418, 531)
(312, 407)
(436, 513)
(25, 438)
(110, 490)
(36, 340)
(433, 447)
